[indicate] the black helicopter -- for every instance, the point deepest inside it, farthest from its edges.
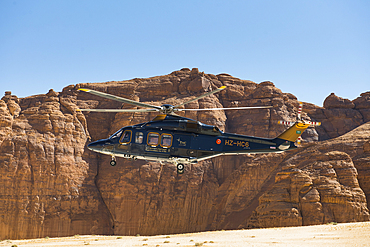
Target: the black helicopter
(180, 140)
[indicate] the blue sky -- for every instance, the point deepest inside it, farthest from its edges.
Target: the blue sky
(308, 48)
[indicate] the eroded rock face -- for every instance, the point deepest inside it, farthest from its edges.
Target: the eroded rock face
(340, 116)
(317, 183)
(47, 183)
(313, 187)
(54, 186)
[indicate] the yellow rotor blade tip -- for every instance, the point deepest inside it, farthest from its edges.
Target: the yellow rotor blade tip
(83, 89)
(222, 87)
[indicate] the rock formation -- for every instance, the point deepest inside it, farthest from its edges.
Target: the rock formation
(340, 116)
(53, 186)
(47, 183)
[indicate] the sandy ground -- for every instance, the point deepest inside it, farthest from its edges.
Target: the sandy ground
(348, 234)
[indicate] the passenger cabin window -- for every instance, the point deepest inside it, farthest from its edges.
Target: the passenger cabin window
(126, 137)
(166, 140)
(153, 139)
(139, 137)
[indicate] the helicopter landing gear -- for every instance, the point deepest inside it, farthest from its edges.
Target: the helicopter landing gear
(180, 168)
(113, 161)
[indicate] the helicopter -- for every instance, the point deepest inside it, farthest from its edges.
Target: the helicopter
(183, 141)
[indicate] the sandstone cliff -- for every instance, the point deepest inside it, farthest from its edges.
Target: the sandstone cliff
(53, 186)
(47, 181)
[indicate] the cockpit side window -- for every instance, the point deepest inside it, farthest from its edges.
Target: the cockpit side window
(139, 137)
(126, 137)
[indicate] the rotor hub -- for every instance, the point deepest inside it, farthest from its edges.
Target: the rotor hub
(167, 109)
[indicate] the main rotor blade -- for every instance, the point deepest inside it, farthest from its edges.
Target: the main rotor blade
(202, 96)
(230, 108)
(119, 110)
(117, 98)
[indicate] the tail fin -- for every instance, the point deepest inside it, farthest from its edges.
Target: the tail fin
(293, 132)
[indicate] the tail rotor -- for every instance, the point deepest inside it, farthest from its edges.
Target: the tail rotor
(299, 119)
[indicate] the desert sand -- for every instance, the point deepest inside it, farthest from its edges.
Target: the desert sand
(347, 234)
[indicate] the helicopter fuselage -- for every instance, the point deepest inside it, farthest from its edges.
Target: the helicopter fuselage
(181, 140)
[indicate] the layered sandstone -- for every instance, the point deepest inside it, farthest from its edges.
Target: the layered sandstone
(47, 183)
(53, 186)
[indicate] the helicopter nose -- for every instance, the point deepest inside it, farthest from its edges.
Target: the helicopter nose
(97, 145)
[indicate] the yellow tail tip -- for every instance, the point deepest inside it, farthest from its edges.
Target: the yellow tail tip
(294, 132)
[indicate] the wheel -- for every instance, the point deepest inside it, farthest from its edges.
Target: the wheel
(113, 163)
(180, 168)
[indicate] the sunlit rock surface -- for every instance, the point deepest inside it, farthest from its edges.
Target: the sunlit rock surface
(51, 185)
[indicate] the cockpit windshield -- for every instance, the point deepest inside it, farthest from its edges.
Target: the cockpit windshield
(117, 134)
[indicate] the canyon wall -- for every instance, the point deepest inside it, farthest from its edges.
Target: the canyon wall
(53, 186)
